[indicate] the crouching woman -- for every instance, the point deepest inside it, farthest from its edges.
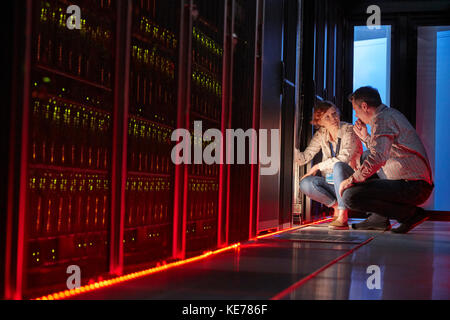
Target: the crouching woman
(338, 143)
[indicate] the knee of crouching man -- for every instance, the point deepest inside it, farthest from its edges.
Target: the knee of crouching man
(350, 198)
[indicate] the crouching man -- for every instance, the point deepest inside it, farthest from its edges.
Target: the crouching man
(395, 148)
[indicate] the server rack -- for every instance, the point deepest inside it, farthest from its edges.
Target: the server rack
(69, 148)
(244, 75)
(97, 187)
(148, 220)
(204, 111)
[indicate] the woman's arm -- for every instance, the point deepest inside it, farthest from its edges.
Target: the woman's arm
(313, 148)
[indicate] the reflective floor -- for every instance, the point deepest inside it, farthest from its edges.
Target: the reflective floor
(309, 263)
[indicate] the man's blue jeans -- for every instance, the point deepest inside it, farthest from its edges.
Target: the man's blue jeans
(396, 199)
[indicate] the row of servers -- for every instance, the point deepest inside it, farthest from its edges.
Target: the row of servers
(176, 48)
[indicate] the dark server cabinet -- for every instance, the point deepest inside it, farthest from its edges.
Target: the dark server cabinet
(148, 220)
(68, 169)
(93, 110)
(204, 111)
(242, 115)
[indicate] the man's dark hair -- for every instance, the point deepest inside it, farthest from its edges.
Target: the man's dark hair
(368, 94)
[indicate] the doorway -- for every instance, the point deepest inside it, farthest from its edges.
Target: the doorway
(433, 107)
(372, 60)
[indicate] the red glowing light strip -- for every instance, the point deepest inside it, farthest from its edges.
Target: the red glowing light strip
(312, 275)
(294, 228)
(131, 276)
(135, 275)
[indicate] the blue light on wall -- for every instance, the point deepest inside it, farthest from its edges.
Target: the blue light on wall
(371, 60)
(442, 151)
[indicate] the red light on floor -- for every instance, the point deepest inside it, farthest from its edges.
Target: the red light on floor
(107, 283)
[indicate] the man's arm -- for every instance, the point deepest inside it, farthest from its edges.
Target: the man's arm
(384, 132)
(360, 129)
(383, 135)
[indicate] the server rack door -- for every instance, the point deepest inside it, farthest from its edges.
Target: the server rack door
(14, 148)
(153, 98)
(241, 186)
(5, 133)
(288, 108)
(204, 111)
(270, 116)
(68, 168)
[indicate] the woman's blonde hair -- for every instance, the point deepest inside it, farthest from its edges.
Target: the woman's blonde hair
(321, 108)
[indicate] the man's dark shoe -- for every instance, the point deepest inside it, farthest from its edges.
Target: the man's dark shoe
(373, 222)
(417, 218)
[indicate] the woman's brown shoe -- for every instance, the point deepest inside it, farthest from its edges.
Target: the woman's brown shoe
(336, 225)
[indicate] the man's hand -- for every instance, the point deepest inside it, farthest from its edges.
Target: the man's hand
(311, 172)
(347, 183)
(360, 129)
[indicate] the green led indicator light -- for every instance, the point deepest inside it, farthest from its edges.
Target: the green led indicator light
(46, 80)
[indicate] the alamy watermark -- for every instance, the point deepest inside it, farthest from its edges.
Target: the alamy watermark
(74, 21)
(74, 280)
(374, 280)
(214, 153)
(374, 20)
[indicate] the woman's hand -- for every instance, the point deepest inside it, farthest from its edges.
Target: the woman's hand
(311, 171)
